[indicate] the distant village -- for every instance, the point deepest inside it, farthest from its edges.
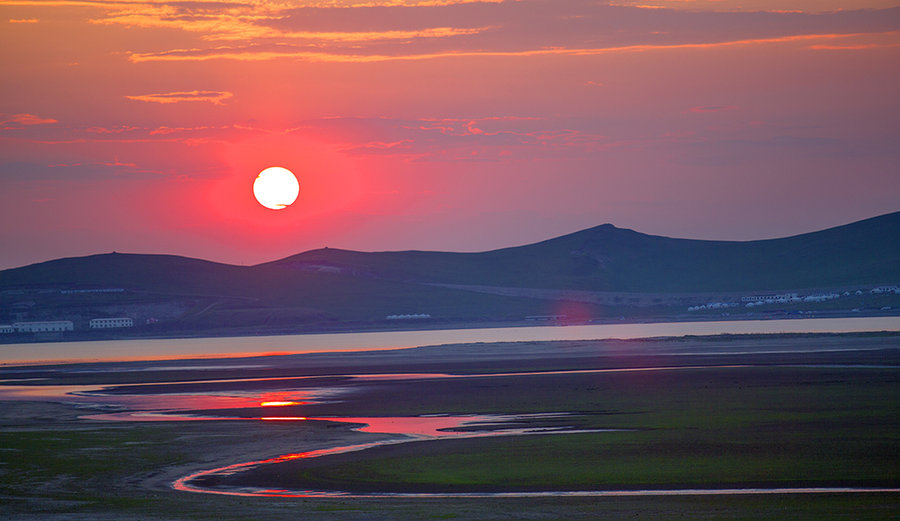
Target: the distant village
(750, 301)
(55, 327)
(48, 326)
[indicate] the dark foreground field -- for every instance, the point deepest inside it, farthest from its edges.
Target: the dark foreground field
(733, 414)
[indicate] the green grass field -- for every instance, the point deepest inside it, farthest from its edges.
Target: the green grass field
(706, 428)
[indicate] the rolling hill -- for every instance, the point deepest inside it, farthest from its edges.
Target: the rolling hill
(333, 286)
(606, 258)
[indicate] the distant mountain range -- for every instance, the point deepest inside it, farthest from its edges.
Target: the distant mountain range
(334, 284)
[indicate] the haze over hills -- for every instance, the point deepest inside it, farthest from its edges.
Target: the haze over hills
(601, 268)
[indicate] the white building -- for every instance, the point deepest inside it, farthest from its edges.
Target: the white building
(7, 328)
(41, 327)
(770, 298)
(105, 323)
(821, 298)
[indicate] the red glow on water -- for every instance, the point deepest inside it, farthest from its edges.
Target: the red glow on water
(279, 404)
(429, 426)
(283, 418)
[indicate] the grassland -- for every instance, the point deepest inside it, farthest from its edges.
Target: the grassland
(707, 428)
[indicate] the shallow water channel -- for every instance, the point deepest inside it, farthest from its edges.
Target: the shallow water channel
(137, 404)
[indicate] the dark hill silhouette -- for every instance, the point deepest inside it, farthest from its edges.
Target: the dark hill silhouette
(603, 258)
(606, 258)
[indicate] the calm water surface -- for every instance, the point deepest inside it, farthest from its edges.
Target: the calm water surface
(157, 349)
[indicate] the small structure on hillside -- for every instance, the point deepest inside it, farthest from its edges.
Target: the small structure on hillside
(43, 327)
(770, 298)
(107, 323)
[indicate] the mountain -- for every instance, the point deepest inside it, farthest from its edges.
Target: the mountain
(606, 258)
(333, 286)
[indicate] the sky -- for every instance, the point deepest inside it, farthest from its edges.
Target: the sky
(454, 125)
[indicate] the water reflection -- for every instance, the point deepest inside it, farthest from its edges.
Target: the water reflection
(159, 401)
(165, 406)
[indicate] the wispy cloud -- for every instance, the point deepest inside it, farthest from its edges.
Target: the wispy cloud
(782, 6)
(8, 121)
(379, 30)
(371, 36)
(124, 135)
(264, 20)
(853, 47)
(257, 4)
(23, 20)
(246, 27)
(270, 52)
(480, 139)
(81, 171)
(210, 96)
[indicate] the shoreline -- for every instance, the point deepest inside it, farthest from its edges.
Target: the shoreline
(101, 336)
(244, 347)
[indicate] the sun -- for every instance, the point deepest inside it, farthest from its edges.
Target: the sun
(276, 188)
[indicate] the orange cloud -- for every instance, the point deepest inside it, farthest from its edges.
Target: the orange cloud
(248, 21)
(211, 96)
(431, 32)
(219, 26)
(25, 119)
(859, 47)
(398, 3)
(259, 53)
(250, 4)
(115, 130)
(771, 6)
(23, 21)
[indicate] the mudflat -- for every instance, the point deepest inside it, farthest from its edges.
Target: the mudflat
(783, 410)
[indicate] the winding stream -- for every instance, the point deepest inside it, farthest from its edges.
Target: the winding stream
(441, 427)
(175, 407)
(406, 430)
(413, 429)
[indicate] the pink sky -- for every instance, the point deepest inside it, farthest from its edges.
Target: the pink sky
(140, 125)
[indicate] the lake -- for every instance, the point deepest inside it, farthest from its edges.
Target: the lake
(175, 348)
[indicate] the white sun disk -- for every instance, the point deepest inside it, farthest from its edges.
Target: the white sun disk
(276, 188)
